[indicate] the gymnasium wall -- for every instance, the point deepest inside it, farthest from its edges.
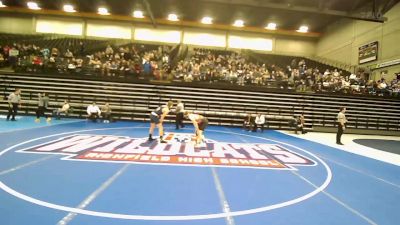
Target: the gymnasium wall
(341, 40)
(17, 25)
(268, 43)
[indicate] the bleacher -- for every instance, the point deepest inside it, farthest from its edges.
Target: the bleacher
(282, 60)
(10, 39)
(134, 101)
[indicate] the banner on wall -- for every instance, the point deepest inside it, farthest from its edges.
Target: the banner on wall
(385, 64)
(368, 53)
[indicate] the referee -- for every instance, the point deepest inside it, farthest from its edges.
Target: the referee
(14, 101)
(43, 103)
(179, 115)
(341, 122)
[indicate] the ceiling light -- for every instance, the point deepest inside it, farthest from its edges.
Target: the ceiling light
(303, 29)
(2, 5)
(69, 8)
(271, 26)
(33, 5)
(173, 17)
(138, 14)
(238, 23)
(103, 11)
(207, 20)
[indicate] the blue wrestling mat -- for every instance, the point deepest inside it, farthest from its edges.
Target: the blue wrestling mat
(83, 173)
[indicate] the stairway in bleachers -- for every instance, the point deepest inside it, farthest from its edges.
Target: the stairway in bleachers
(133, 101)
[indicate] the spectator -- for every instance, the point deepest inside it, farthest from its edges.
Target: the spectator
(93, 112)
(259, 122)
(248, 122)
(301, 124)
(64, 109)
(2, 61)
(68, 54)
(106, 113)
(202, 65)
(109, 51)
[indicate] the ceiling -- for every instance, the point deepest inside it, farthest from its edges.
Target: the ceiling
(287, 14)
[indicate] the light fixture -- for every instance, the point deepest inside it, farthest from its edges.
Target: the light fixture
(103, 11)
(238, 23)
(69, 8)
(2, 5)
(138, 14)
(207, 20)
(33, 5)
(271, 26)
(303, 29)
(173, 17)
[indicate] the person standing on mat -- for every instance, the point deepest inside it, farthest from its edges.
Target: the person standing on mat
(157, 119)
(341, 123)
(200, 123)
(14, 102)
(42, 107)
(179, 115)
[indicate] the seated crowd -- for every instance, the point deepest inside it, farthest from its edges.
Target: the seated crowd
(202, 65)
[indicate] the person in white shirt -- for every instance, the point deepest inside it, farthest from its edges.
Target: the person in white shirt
(93, 112)
(63, 109)
(259, 122)
(352, 77)
(200, 123)
(341, 122)
(14, 102)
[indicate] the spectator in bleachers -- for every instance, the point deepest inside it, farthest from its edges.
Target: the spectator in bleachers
(68, 54)
(248, 122)
(293, 124)
(188, 77)
(2, 60)
(109, 52)
(81, 48)
(55, 52)
(201, 65)
(37, 64)
(259, 122)
(301, 124)
(93, 112)
(96, 65)
(64, 109)
(382, 88)
(395, 89)
(106, 113)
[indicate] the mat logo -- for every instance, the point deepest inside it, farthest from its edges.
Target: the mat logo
(180, 150)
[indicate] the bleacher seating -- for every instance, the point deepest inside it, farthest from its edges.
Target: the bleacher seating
(133, 101)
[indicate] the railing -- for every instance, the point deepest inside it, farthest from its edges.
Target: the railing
(220, 112)
(275, 120)
(334, 63)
